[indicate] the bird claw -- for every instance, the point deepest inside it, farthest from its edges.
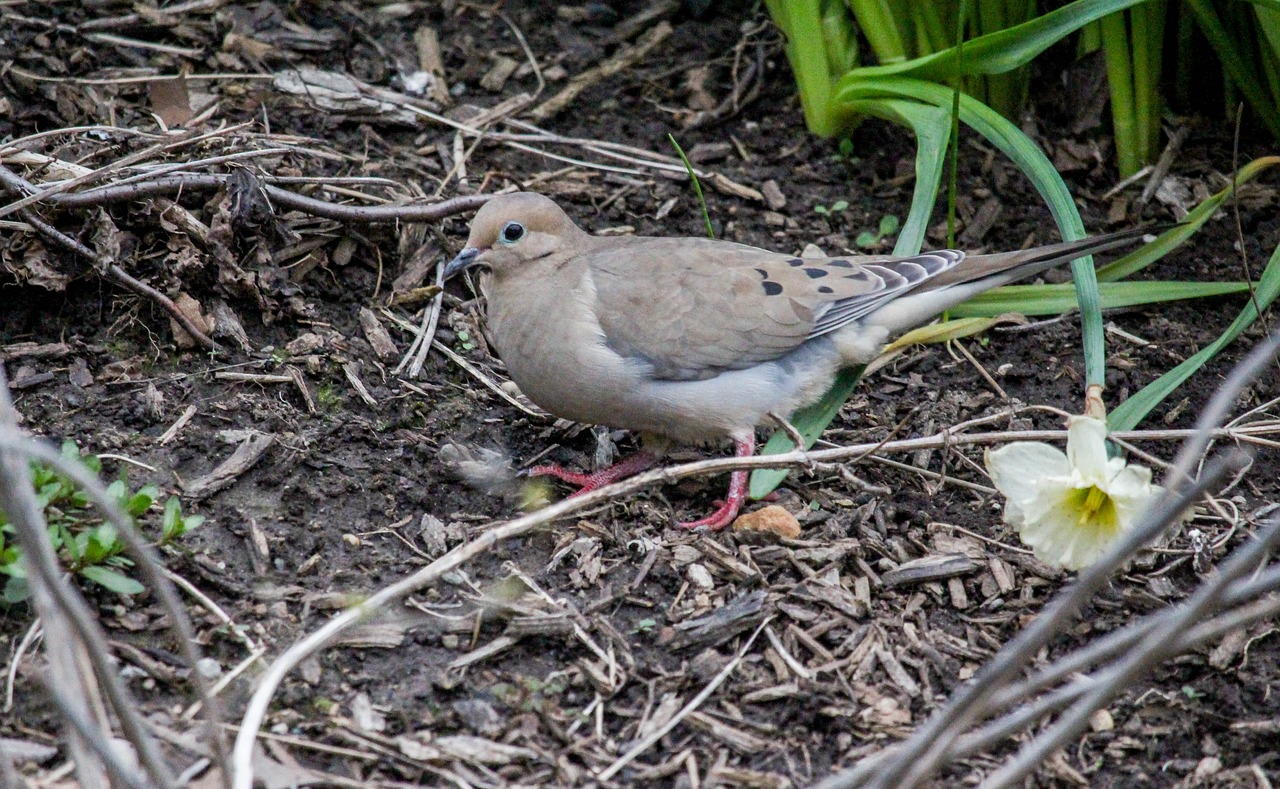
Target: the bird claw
(722, 517)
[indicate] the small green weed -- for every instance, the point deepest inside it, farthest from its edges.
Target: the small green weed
(530, 694)
(328, 398)
(835, 208)
(844, 153)
(888, 229)
(87, 546)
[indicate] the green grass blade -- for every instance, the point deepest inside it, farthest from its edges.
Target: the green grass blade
(1128, 414)
(852, 96)
(1236, 64)
(932, 127)
(1116, 46)
(1057, 299)
(1147, 254)
(1004, 50)
(697, 186)
(880, 25)
(801, 23)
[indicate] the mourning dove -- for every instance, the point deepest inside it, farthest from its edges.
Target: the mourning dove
(694, 339)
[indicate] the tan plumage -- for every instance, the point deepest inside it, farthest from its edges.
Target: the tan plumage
(696, 339)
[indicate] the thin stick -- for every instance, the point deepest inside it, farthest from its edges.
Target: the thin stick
(108, 268)
(187, 183)
(1153, 649)
(147, 563)
(660, 732)
(121, 774)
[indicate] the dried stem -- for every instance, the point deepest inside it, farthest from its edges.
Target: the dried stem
(146, 561)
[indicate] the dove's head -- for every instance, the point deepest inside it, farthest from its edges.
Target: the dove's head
(514, 229)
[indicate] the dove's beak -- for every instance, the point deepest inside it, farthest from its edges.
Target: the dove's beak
(463, 261)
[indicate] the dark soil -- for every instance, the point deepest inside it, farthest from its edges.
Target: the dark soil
(353, 496)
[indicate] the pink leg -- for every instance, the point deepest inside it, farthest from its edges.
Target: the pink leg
(737, 492)
(586, 483)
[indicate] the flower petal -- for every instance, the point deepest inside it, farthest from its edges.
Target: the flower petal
(1016, 468)
(1059, 538)
(1087, 448)
(1132, 492)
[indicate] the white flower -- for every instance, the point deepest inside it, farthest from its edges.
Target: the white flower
(1069, 508)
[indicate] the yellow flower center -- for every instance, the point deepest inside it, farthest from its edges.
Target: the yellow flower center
(1095, 508)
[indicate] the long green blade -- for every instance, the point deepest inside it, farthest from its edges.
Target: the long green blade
(932, 127)
(1132, 411)
(1236, 64)
(852, 96)
(1003, 50)
(1057, 299)
(1169, 240)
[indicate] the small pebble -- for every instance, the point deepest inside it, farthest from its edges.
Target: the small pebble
(209, 668)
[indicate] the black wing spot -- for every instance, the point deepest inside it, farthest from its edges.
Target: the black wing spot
(763, 274)
(815, 273)
(840, 264)
(772, 288)
(825, 289)
(796, 262)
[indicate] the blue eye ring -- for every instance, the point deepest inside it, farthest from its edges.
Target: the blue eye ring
(511, 233)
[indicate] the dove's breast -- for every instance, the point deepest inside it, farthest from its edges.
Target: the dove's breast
(556, 352)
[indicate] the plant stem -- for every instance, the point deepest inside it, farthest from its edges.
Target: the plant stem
(697, 186)
(879, 25)
(1116, 45)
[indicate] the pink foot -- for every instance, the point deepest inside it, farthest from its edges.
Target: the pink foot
(586, 483)
(728, 510)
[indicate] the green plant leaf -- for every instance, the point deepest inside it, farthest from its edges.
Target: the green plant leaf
(932, 127)
(1132, 411)
(1169, 240)
(141, 501)
(113, 580)
(1057, 299)
(1003, 50)
(1237, 64)
(171, 524)
(16, 590)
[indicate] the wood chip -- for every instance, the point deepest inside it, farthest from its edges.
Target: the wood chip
(742, 613)
(773, 519)
(929, 568)
(725, 185)
(31, 350)
(495, 79)
(773, 196)
(431, 61)
(378, 336)
(737, 739)
(351, 371)
(243, 459)
(896, 672)
(177, 426)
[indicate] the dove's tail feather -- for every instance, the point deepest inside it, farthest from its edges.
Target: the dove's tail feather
(980, 273)
(1011, 266)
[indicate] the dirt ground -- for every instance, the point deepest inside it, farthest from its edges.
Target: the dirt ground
(354, 491)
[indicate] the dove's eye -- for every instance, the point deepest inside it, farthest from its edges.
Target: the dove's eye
(511, 233)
